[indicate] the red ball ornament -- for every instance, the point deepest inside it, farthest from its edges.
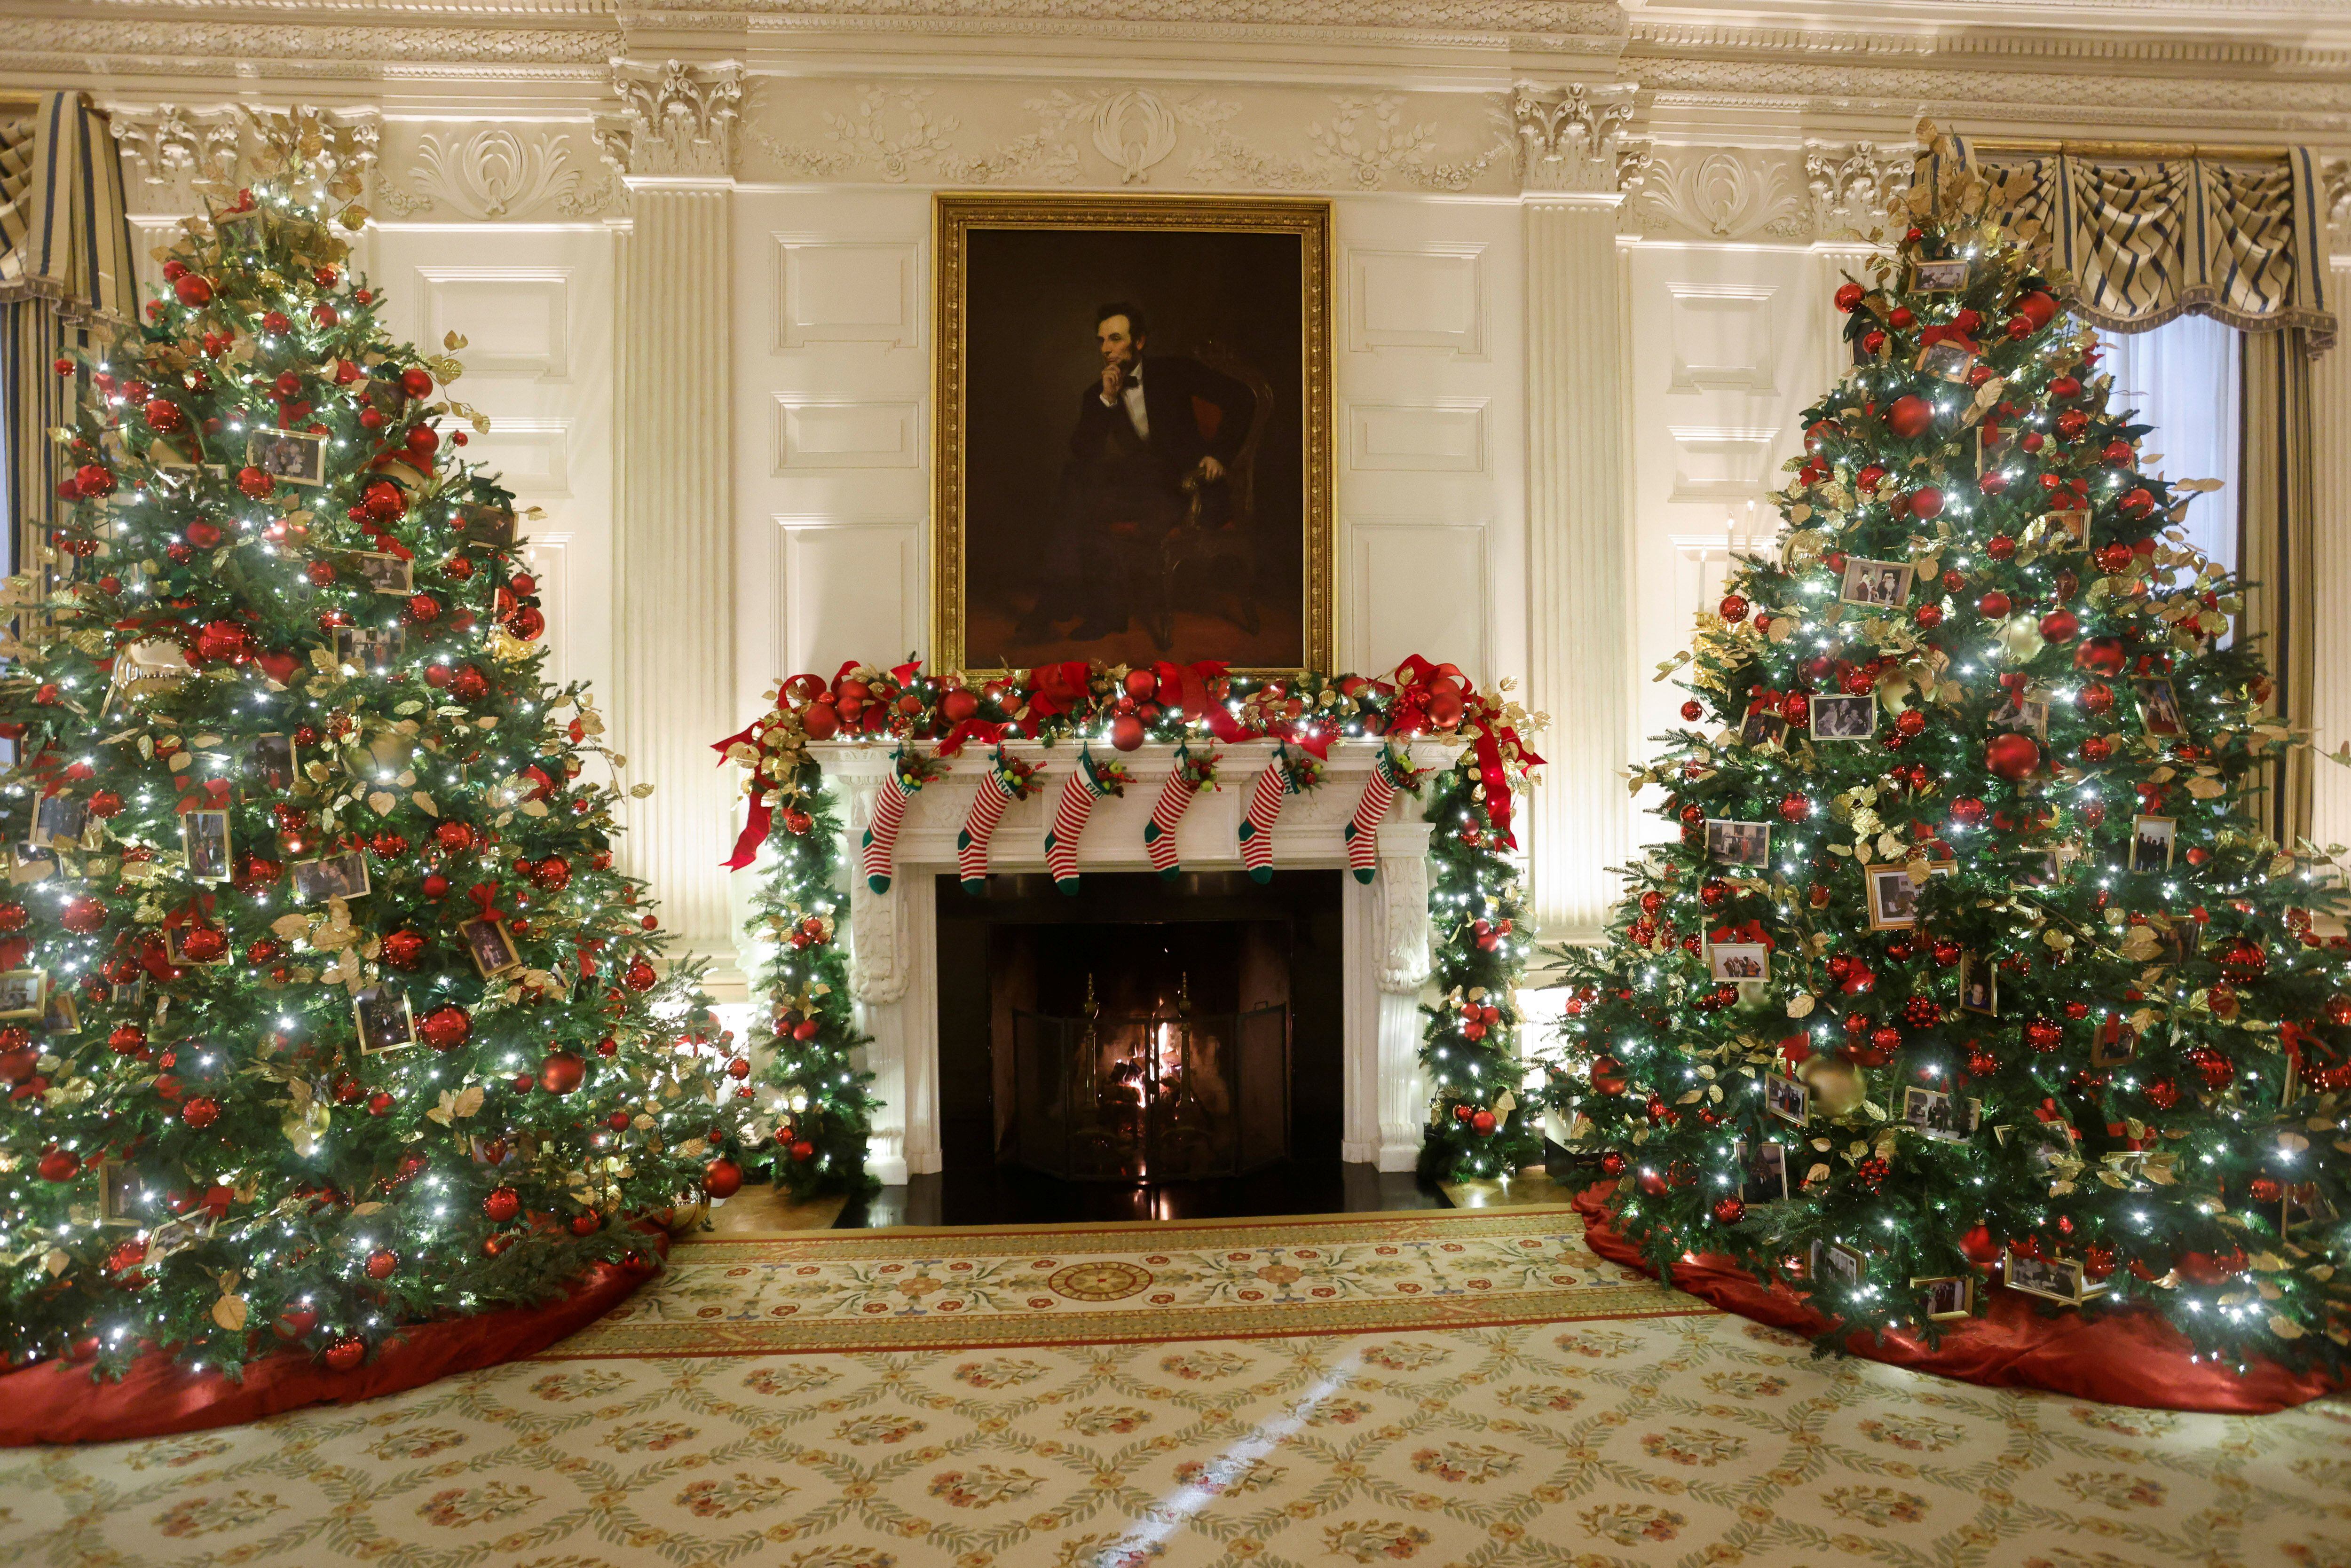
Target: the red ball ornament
(1849, 297)
(194, 290)
(82, 915)
(1729, 1210)
(561, 1071)
(59, 1165)
(295, 1322)
(722, 1178)
(1482, 1124)
(454, 837)
(2012, 754)
(1977, 1246)
(1692, 710)
(201, 1111)
(2060, 626)
(1926, 502)
(1992, 606)
(1910, 417)
(1968, 812)
(446, 1027)
(345, 1354)
(415, 382)
(381, 1262)
(1125, 732)
(803, 1152)
(586, 1224)
(1796, 808)
(502, 1205)
(1733, 608)
(203, 944)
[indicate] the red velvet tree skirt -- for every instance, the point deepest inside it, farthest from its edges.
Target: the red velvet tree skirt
(2114, 1357)
(57, 1402)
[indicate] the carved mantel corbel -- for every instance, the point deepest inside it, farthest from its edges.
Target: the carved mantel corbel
(674, 120)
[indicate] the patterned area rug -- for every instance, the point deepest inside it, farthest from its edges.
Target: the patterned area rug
(1610, 1439)
(1104, 1284)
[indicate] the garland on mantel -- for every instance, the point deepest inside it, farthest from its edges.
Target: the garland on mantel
(1469, 1046)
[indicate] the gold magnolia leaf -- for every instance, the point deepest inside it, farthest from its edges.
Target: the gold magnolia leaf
(230, 1313)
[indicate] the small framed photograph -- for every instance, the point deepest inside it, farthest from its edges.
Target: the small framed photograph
(2305, 1204)
(1738, 843)
(169, 457)
(179, 1234)
(204, 835)
(277, 761)
(1841, 717)
(1946, 361)
(1880, 584)
(491, 947)
(1931, 1114)
(331, 877)
(383, 573)
(1765, 1165)
(1979, 986)
(2043, 869)
(293, 456)
(128, 995)
(239, 231)
(1785, 1098)
(59, 822)
(370, 647)
(117, 1196)
(1994, 443)
(30, 862)
(2067, 530)
(1739, 962)
(2116, 1043)
(173, 950)
(2152, 841)
(1938, 277)
(23, 993)
(1763, 729)
(1947, 1296)
(386, 1021)
(2158, 708)
(59, 1013)
(491, 525)
(2052, 1279)
(1834, 1263)
(1893, 897)
(2026, 712)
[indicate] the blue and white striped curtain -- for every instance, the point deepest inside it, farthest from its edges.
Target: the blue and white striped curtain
(65, 275)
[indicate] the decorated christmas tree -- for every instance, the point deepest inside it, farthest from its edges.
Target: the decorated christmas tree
(1971, 961)
(324, 1008)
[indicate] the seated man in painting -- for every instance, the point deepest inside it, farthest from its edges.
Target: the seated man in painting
(1148, 432)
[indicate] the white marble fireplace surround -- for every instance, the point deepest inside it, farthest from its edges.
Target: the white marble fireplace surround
(893, 936)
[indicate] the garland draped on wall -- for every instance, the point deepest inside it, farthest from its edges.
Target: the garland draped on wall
(1469, 1044)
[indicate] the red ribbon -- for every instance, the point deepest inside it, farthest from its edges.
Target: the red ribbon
(202, 795)
(1748, 931)
(969, 730)
(754, 833)
(486, 899)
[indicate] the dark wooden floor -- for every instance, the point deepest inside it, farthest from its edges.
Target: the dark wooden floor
(1009, 1195)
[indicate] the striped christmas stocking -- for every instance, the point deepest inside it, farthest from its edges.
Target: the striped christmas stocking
(1265, 804)
(1364, 831)
(1176, 798)
(1005, 782)
(1080, 790)
(881, 841)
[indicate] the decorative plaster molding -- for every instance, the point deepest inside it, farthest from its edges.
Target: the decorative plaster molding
(494, 173)
(1403, 887)
(1723, 194)
(1850, 186)
(980, 133)
(675, 121)
(169, 149)
(1573, 138)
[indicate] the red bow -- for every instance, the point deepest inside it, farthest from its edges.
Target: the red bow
(1750, 931)
(971, 729)
(486, 899)
(202, 795)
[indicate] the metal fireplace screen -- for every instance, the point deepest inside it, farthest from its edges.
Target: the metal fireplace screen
(1169, 1096)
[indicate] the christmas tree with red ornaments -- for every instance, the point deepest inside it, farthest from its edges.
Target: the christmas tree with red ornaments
(323, 1009)
(1970, 969)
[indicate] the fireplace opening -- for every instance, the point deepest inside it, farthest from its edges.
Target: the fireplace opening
(1153, 1036)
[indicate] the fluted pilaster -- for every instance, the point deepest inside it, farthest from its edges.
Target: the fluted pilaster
(2330, 696)
(673, 548)
(1578, 577)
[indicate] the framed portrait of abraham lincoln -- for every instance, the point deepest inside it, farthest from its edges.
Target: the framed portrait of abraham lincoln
(1133, 455)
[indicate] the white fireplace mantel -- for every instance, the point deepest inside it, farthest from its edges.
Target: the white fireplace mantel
(893, 937)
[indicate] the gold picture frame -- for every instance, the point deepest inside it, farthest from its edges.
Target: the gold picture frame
(996, 643)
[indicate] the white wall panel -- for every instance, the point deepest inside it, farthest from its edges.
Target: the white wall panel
(841, 433)
(1431, 437)
(848, 590)
(848, 291)
(1418, 587)
(1722, 336)
(531, 456)
(1431, 296)
(515, 320)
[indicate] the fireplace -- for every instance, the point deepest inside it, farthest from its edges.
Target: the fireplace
(1144, 1032)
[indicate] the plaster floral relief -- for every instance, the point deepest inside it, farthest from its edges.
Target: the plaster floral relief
(986, 133)
(497, 172)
